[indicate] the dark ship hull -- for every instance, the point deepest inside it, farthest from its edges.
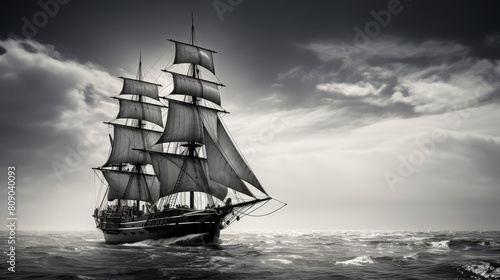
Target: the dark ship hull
(203, 225)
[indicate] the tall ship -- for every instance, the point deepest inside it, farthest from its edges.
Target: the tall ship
(181, 177)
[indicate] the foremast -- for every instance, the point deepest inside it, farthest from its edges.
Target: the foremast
(135, 128)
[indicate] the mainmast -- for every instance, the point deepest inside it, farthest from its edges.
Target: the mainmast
(139, 125)
(194, 124)
(192, 146)
(139, 70)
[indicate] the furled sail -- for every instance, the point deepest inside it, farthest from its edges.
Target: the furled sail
(138, 87)
(131, 109)
(185, 53)
(185, 122)
(135, 186)
(195, 87)
(233, 156)
(127, 140)
(168, 167)
(220, 170)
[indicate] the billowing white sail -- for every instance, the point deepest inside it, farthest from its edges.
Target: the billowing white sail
(220, 170)
(131, 109)
(137, 87)
(195, 87)
(185, 53)
(126, 140)
(168, 167)
(233, 156)
(185, 122)
(134, 186)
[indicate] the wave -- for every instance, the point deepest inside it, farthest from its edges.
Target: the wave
(282, 261)
(413, 256)
(440, 244)
(188, 240)
(484, 269)
(357, 261)
(473, 243)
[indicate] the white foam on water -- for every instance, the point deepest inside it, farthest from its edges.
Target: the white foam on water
(357, 261)
(413, 256)
(283, 261)
(441, 244)
(85, 277)
(484, 270)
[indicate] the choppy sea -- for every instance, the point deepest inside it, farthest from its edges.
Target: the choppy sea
(260, 255)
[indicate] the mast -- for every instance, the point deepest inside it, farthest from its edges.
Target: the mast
(192, 147)
(129, 141)
(193, 125)
(139, 125)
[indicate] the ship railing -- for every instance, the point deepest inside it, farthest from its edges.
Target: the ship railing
(159, 219)
(106, 220)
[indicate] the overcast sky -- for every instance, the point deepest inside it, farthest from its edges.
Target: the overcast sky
(358, 114)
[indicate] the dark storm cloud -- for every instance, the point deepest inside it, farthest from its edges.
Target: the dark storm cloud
(90, 95)
(493, 40)
(41, 95)
(451, 31)
(392, 76)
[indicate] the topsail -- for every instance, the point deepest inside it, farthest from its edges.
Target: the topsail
(186, 53)
(138, 87)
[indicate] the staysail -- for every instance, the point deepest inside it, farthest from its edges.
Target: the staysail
(226, 146)
(220, 169)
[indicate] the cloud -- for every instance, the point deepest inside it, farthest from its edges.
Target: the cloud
(52, 108)
(359, 89)
(344, 158)
(49, 101)
(404, 77)
(294, 74)
(492, 40)
(433, 94)
(386, 47)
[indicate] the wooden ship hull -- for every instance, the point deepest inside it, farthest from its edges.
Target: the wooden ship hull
(204, 224)
(182, 222)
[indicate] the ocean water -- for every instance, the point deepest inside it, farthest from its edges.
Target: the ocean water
(260, 255)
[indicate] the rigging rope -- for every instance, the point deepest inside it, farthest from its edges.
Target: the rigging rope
(157, 62)
(267, 214)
